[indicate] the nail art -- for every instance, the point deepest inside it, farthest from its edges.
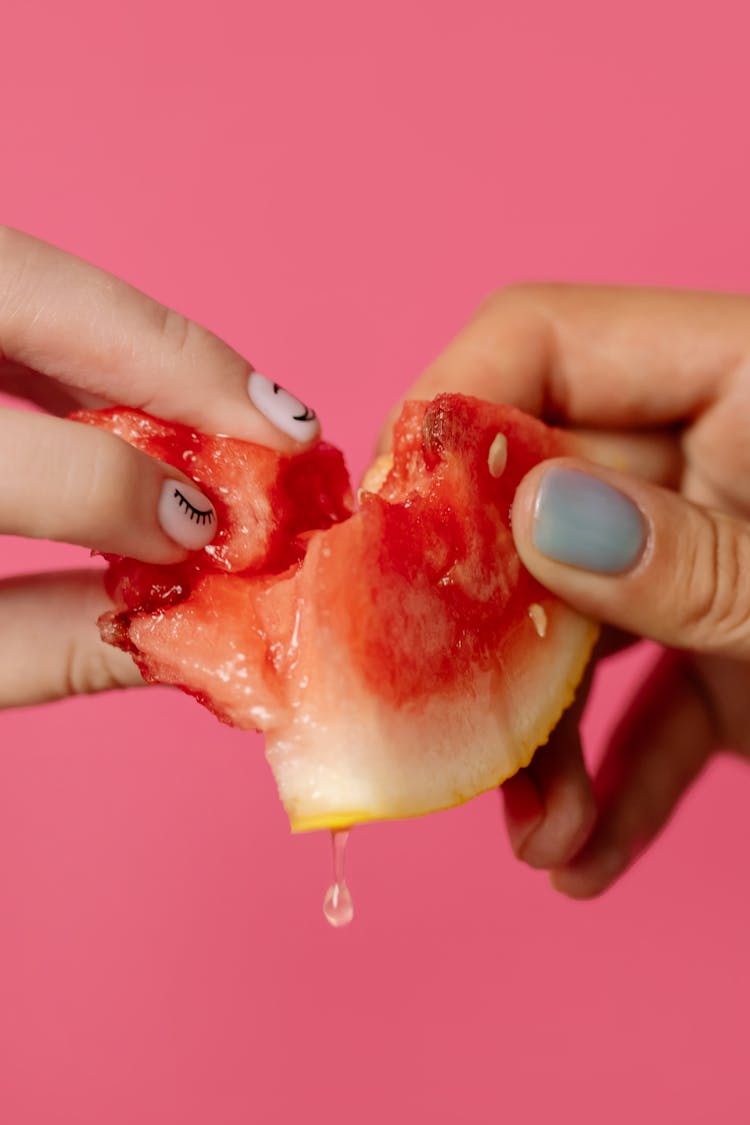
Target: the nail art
(581, 521)
(287, 413)
(186, 515)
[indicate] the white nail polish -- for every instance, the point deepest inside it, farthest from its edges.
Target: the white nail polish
(285, 411)
(186, 515)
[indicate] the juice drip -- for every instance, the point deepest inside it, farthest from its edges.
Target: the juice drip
(338, 906)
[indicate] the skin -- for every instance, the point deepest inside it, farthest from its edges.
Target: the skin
(72, 336)
(655, 386)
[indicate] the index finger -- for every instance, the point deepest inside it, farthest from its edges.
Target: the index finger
(69, 320)
(597, 356)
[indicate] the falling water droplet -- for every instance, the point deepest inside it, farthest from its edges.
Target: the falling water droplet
(338, 906)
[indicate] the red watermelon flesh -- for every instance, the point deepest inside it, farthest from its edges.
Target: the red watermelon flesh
(394, 657)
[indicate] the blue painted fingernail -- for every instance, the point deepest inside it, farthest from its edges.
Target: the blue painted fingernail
(583, 522)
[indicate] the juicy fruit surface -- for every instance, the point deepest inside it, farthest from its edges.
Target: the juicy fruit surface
(265, 503)
(389, 655)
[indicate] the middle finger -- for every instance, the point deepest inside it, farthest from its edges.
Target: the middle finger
(79, 484)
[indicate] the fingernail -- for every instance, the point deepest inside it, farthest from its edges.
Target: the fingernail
(281, 408)
(583, 522)
(186, 515)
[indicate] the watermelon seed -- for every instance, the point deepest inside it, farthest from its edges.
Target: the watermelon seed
(338, 906)
(498, 455)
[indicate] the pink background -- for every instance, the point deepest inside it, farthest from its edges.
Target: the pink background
(333, 186)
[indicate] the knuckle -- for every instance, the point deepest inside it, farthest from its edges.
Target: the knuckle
(89, 665)
(9, 241)
(175, 330)
(86, 669)
(106, 491)
(16, 273)
(185, 345)
(528, 308)
(511, 295)
(75, 670)
(522, 294)
(716, 587)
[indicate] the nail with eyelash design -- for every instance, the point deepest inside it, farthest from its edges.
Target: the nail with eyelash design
(186, 515)
(284, 410)
(194, 513)
(307, 415)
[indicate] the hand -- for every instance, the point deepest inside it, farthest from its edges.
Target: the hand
(72, 336)
(653, 540)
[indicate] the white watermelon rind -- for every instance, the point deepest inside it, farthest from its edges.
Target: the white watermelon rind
(444, 755)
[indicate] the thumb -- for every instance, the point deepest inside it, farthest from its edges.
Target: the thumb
(636, 556)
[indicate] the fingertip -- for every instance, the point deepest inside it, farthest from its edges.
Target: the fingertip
(566, 808)
(523, 809)
(79, 483)
(568, 511)
(573, 886)
(548, 827)
(186, 515)
(591, 877)
(287, 413)
(246, 406)
(561, 832)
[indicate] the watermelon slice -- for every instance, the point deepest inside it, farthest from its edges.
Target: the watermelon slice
(399, 659)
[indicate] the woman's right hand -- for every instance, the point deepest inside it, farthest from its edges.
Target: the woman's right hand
(72, 336)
